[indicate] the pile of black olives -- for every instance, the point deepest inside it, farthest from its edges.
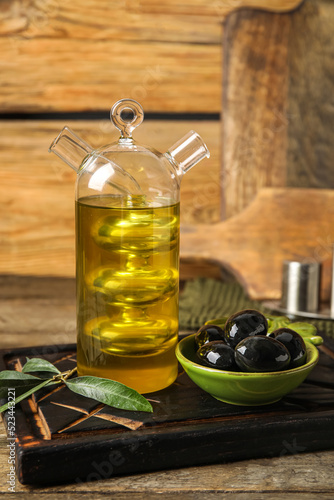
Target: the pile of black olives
(245, 345)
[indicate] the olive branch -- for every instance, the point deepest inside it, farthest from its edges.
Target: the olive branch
(105, 391)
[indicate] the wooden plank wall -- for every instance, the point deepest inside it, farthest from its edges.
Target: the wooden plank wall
(278, 100)
(79, 57)
(71, 55)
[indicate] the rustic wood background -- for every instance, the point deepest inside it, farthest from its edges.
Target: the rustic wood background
(278, 101)
(268, 74)
(276, 226)
(70, 55)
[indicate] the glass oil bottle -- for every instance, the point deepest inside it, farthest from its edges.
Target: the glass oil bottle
(127, 252)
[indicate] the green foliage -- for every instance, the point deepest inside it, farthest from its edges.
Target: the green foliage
(39, 365)
(109, 392)
(103, 390)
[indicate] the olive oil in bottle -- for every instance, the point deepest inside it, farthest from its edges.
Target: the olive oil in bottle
(127, 290)
(127, 244)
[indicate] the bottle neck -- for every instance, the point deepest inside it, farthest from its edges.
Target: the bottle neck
(125, 140)
(70, 148)
(188, 151)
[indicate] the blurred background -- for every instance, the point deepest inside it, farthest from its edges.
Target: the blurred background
(253, 77)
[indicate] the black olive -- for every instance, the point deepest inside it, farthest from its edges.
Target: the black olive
(217, 354)
(294, 343)
(244, 324)
(208, 333)
(261, 354)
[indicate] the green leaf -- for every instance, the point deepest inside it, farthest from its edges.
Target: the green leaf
(304, 329)
(26, 394)
(14, 375)
(39, 365)
(109, 392)
(21, 382)
(307, 331)
(275, 322)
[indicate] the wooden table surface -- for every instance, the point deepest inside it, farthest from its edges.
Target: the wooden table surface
(40, 311)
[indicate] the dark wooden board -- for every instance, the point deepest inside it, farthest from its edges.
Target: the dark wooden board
(63, 437)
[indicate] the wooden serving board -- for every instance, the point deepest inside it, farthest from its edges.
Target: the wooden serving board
(281, 223)
(62, 437)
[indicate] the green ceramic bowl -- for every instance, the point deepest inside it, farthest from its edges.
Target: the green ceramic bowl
(241, 388)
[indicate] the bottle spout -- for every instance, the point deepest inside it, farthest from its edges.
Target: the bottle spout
(188, 151)
(70, 148)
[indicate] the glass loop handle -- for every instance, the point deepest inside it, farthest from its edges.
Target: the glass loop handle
(126, 115)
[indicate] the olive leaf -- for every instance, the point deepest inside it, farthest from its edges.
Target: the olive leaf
(105, 391)
(109, 392)
(276, 322)
(304, 329)
(14, 376)
(16, 380)
(308, 331)
(39, 365)
(26, 394)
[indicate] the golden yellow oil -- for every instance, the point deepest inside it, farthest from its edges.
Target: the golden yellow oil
(127, 290)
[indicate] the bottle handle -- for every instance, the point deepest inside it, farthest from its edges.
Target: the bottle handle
(126, 115)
